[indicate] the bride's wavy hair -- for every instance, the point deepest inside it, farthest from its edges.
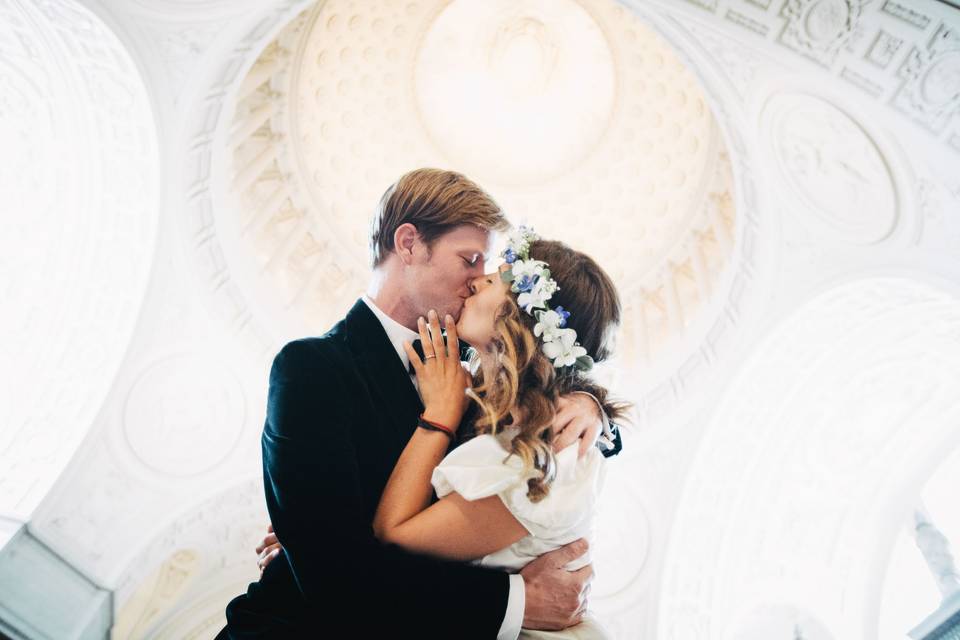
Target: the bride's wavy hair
(524, 386)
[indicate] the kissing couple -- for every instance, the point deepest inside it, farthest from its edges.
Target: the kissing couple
(432, 464)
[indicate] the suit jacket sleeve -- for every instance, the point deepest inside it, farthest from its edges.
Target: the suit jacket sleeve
(313, 489)
(617, 442)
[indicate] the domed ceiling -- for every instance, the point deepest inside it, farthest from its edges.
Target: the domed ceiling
(576, 116)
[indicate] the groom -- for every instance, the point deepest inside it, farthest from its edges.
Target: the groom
(340, 410)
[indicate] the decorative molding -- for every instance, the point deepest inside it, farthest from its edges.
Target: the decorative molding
(819, 29)
(903, 55)
(738, 63)
(709, 5)
(225, 297)
(747, 22)
(905, 13)
(931, 90)
(885, 46)
(220, 535)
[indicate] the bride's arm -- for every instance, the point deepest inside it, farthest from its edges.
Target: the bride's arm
(452, 528)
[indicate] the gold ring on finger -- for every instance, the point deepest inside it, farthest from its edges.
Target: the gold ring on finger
(427, 357)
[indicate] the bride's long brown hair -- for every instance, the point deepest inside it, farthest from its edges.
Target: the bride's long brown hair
(522, 387)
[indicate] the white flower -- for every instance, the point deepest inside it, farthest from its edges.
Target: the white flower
(519, 239)
(548, 325)
(530, 268)
(564, 350)
(537, 296)
(547, 285)
(530, 301)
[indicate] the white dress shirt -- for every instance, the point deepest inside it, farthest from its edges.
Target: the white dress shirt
(516, 601)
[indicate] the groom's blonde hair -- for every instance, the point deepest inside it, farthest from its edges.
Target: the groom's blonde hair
(435, 202)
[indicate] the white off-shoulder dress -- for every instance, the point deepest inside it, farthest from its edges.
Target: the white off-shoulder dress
(482, 467)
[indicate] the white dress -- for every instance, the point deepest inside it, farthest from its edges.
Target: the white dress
(482, 467)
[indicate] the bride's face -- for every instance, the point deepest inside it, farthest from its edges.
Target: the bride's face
(480, 309)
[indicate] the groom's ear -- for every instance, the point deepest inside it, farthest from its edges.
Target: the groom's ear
(405, 239)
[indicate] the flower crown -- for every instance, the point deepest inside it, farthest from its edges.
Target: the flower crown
(531, 280)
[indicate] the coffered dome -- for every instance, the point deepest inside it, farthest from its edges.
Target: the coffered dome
(576, 116)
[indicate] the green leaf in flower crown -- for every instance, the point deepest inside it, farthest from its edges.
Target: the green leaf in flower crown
(584, 363)
(507, 275)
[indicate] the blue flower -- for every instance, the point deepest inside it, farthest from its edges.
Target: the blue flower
(563, 315)
(525, 283)
(509, 256)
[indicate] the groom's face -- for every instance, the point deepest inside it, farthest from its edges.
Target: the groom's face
(442, 281)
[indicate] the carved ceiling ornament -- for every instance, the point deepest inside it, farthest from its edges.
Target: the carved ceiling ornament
(931, 91)
(833, 167)
(820, 28)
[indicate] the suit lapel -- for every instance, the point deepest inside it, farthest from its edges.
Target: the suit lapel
(379, 364)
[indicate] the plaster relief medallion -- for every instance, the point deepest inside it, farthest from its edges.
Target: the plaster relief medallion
(184, 415)
(826, 20)
(833, 167)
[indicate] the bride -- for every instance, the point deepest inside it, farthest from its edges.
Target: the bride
(505, 497)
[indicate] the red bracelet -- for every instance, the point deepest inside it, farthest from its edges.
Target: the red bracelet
(435, 426)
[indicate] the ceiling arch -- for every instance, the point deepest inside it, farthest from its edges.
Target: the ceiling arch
(81, 167)
(840, 407)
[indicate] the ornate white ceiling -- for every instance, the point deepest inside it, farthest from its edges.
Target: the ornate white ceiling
(576, 116)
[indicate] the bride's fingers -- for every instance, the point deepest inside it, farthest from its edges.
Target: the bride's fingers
(453, 352)
(439, 348)
(425, 343)
(414, 357)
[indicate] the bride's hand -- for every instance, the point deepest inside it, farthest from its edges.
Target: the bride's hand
(442, 379)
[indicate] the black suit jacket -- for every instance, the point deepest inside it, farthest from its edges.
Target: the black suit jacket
(340, 410)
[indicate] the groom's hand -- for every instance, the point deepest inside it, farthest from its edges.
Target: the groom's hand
(556, 598)
(268, 549)
(577, 418)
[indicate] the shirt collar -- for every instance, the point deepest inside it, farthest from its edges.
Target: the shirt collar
(395, 331)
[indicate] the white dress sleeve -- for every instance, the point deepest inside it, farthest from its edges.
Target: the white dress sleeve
(477, 469)
(481, 467)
